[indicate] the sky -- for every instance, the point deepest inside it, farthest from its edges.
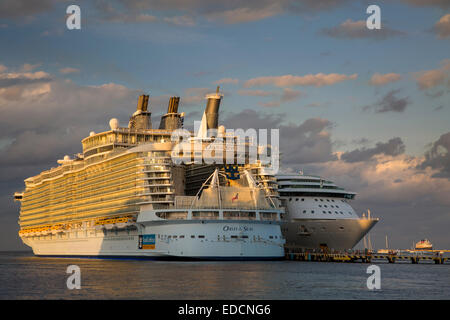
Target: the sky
(369, 109)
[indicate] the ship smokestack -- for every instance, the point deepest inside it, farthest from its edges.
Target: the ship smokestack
(141, 119)
(172, 119)
(173, 105)
(212, 109)
(145, 103)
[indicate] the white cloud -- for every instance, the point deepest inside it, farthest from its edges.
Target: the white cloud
(382, 79)
(68, 70)
(317, 80)
(227, 81)
(432, 78)
(442, 27)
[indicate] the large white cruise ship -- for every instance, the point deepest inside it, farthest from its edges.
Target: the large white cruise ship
(125, 196)
(318, 213)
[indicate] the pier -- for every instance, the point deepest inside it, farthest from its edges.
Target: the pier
(366, 257)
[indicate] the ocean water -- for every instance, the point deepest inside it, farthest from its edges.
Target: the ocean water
(24, 276)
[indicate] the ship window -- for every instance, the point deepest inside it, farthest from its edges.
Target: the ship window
(324, 211)
(320, 205)
(290, 199)
(315, 199)
(321, 199)
(312, 211)
(341, 212)
(329, 212)
(296, 199)
(336, 212)
(244, 237)
(169, 237)
(332, 200)
(342, 228)
(304, 211)
(303, 199)
(201, 237)
(234, 237)
(181, 237)
(175, 237)
(270, 237)
(192, 236)
(337, 206)
(332, 206)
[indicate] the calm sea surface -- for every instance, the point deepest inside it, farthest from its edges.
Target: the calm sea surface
(23, 276)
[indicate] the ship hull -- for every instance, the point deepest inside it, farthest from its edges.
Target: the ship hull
(338, 234)
(205, 240)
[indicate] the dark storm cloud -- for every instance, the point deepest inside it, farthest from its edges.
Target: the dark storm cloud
(438, 156)
(389, 103)
(25, 8)
(393, 147)
(299, 143)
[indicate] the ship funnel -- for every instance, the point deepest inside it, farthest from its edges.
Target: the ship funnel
(173, 105)
(172, 119)
(141, 119)
(212, 109)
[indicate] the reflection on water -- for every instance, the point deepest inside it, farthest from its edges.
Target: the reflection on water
(23, 276)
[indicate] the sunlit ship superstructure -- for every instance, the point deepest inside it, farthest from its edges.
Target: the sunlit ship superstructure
(318, 213)
(125, 196)
(424, 244)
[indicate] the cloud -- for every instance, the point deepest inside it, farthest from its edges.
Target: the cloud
(68, 70)
(12, 9)
(438, 156)
(195, 96)
(227, 81)
(290, 94)
(286, 95)
(245, 14)
(184, 21)
(228, 12)
(17, 85)
(432, 78)
(393, 147)
(443, 4)
(442, 27)
(389, 103)
(3, 68)
(358, 30)
(29, 67)
(257, 93)
(302, 143)
(382, 79)
(317, 80)
(109, 11)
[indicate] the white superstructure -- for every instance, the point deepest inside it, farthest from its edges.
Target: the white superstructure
(318, 213)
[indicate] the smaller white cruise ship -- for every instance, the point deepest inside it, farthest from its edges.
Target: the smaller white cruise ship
(318, 213)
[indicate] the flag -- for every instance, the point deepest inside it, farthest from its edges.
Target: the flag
(235, 197)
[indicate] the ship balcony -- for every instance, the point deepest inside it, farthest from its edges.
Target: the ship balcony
(154, 171)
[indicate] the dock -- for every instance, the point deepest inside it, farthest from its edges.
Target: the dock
(365, 257)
